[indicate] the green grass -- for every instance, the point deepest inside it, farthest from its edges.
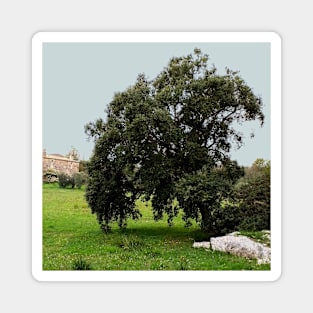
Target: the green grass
(257, 236)
(72, 240)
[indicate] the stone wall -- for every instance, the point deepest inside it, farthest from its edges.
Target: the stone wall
(59, 163)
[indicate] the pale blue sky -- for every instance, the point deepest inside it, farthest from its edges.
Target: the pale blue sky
(80, 79)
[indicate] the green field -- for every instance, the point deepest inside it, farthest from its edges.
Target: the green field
(72, 240)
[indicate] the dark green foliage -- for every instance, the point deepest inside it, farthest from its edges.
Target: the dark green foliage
(81, 265)
(202, 194)
(167, 138)
(254, 196)
(65, 180)
(78, 179)
(226, 218)
(83, 166)
(255, 204)
(75, 180)
(109, 191)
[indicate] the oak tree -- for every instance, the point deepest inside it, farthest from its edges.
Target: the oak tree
(161, 137)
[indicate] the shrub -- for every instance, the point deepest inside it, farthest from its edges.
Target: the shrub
(225, 218)
(255, 206)
(81, 265)
(64, 180)
(78, 180)
(202, 196)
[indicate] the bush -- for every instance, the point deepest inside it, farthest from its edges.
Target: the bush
(78, 180)
(225, 218)
(81, 265)
(64, 180)
(202, 196)
(250, 208)
(255, 205)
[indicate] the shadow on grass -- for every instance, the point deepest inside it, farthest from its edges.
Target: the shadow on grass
(167, 232)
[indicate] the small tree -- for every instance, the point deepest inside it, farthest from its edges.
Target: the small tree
(64, 180)
(78, 179)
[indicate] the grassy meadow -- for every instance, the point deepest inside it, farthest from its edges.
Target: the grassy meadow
(73, 240)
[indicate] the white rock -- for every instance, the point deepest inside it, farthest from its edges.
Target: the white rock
(235, 233)
(242, 246)
(203, 244)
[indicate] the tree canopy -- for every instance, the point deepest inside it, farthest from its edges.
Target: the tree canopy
(167, 138)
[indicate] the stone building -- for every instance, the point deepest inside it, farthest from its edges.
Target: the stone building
(52, 164)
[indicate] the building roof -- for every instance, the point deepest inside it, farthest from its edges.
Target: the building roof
(57, 155)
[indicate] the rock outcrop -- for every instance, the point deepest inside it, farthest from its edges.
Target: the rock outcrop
(238, 245)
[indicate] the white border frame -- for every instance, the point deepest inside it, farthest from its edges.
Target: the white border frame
(37, 44)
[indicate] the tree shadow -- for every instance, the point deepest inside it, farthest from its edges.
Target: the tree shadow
(168, 232)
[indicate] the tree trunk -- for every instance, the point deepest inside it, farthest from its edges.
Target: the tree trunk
(205, 219)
